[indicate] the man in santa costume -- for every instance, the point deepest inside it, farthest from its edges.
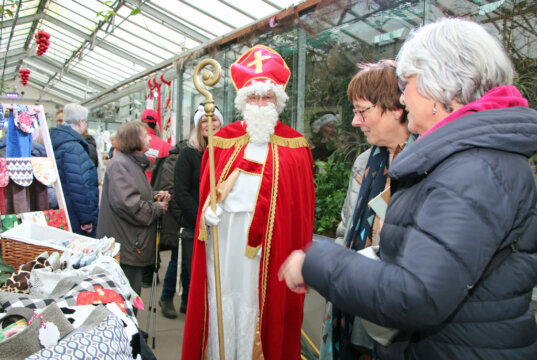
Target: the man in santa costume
(265, 210)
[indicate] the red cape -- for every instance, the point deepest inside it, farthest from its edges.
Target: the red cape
(287, 225)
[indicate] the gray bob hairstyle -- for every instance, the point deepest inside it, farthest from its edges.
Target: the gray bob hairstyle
(73, 113)
(454, 59)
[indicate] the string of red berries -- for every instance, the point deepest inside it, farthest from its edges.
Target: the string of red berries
(41, 38)
(25, 74)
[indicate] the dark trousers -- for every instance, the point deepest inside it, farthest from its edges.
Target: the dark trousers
(170, 279)
(134, 274)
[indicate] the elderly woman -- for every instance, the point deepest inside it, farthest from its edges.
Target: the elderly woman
(129, 208)
(461, 195)
(374, 93)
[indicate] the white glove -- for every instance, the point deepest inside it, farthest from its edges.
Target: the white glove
(211, 218)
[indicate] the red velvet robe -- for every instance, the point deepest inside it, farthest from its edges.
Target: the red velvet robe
(282, 222)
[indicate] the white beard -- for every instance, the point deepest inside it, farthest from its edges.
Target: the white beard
(260, 122)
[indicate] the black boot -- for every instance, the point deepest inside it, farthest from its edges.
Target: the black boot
(168, 310)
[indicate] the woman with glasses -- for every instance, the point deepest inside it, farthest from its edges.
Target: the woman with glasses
(459, 241)
(375, 94)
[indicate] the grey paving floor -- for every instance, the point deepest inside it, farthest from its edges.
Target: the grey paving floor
(169, 332)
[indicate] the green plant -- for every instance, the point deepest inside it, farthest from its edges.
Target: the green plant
(109, 13)
(5, 8)
(331, 181)
(5, 271)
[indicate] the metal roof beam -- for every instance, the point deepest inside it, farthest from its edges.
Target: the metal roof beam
(68, 96)
(209, 15)
(103, 44)
(161, 17)
(237, 9)
(20, 21)
(56, 66)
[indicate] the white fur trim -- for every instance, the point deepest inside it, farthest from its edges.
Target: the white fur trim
(201, 111)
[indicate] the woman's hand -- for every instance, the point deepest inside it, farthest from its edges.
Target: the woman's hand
(162, 195)
(291, 272)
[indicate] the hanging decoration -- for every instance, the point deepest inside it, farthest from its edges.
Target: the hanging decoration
(167, 110)
(42, 40)
(25, 74)
(157, 86)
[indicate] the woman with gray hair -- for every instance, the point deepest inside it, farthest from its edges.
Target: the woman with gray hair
(458, 246)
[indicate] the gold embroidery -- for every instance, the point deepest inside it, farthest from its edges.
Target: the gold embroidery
(251, 173)
(251, 251)
(270, 226)
(293, 143)
(224, 143)
(232, 158)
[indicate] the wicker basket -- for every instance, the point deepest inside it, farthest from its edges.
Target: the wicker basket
(16, 253)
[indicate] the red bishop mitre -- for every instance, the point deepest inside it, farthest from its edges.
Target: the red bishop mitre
(260, 63)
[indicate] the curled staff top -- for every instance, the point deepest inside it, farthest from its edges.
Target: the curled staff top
(23, 170)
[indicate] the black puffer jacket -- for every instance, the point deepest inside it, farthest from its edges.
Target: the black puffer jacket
(457, 193)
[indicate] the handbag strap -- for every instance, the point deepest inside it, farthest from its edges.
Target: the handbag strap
(529, 230)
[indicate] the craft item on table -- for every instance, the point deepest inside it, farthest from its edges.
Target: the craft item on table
(28, 342)
(35, 217)
(19, 143)
(20, 170)
(66, 293)
(56, 218)
(108, 340)
(8, 222)
(18, 281)
(44, 170)
(101, 296)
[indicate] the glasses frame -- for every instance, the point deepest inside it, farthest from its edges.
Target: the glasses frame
(360, 113)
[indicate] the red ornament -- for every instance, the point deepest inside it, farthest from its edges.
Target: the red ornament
(24, 74)
(41, 38)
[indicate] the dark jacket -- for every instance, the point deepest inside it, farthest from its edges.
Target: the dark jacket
(187, 185)
(163, 177)
(456, 194)
(92, 149)
(78, 176)
(128, 211)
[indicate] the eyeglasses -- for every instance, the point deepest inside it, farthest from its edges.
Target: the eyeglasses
(360, 113)
(402, 84)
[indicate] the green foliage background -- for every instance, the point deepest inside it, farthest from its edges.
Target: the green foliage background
(331, 182)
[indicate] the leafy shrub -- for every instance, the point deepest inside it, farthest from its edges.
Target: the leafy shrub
(331, 182)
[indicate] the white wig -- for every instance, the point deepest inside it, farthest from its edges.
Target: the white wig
(261, 88)
(73, 113)
(454, 59)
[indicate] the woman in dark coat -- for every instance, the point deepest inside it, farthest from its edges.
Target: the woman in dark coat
(461, 194)
(129, 208)
(187, 180)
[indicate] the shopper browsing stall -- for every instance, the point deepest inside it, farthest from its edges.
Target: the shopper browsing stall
(129, 208)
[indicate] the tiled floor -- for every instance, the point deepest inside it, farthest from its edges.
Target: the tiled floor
(169, 332)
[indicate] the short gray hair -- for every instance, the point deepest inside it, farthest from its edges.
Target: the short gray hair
(454, 59)
(73, 113)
